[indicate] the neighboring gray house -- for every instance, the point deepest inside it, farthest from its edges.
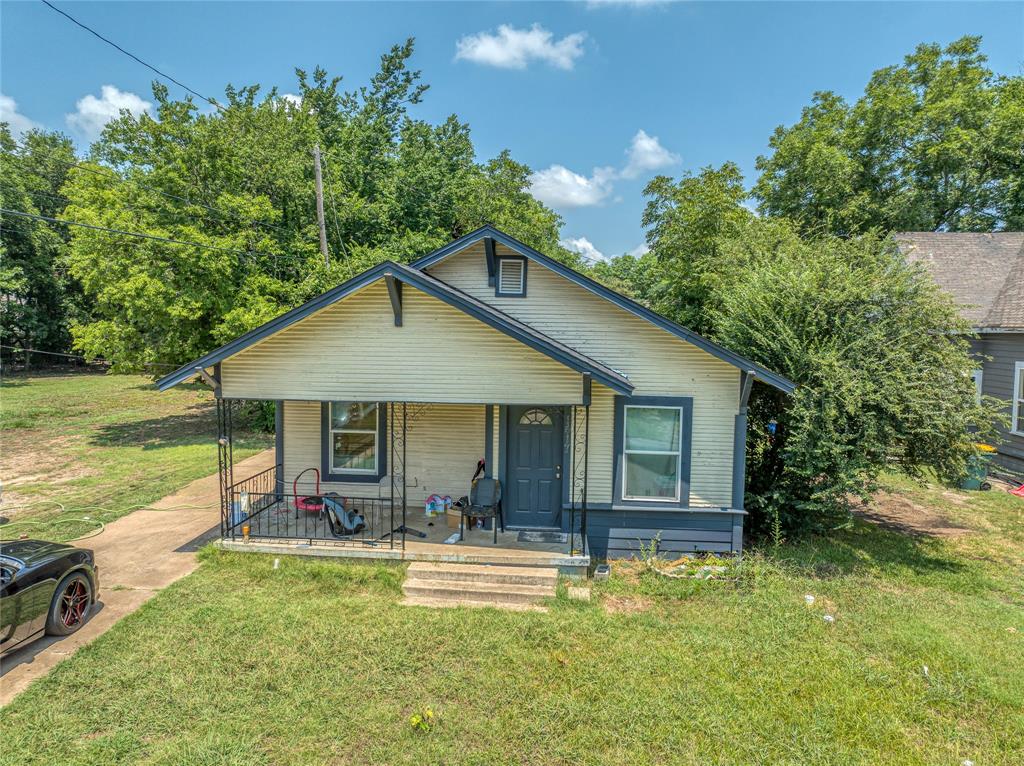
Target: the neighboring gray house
(985, 275)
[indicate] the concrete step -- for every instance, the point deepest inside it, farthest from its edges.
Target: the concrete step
(422, 570)
(457, 590)
(448, 603)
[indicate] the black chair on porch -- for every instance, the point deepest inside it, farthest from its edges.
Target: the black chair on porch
(484, 502)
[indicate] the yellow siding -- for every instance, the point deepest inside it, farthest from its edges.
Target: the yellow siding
(444, 443)
(352, 350)
(656, 362)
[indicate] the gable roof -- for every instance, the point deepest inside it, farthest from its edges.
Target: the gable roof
(627, 304)
(984, 272)
(431, 286)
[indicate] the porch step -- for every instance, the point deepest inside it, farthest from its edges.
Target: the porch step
(447, 603)
(485, 573)
(429, 584)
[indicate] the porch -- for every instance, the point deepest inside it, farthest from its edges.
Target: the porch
(271, 512)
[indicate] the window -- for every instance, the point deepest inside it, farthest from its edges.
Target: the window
(651, 450)
(977, 377)
(1017, 402)
(535, 417)
(353, 441)
(511, 281)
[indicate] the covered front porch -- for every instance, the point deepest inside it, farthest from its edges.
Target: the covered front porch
(418, 452)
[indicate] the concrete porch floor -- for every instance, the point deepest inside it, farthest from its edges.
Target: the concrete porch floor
(477, 548)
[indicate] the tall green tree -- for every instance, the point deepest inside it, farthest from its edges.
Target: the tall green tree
(936, 143)
(38, 297)
(240, 178)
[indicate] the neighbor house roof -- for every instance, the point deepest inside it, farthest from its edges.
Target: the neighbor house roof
(431, 286)
(984, 272)
(731, 357)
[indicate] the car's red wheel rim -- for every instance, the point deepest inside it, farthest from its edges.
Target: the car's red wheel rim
(73, 602)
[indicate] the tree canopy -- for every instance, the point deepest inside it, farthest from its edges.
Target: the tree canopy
(936, 143)
(239, 178)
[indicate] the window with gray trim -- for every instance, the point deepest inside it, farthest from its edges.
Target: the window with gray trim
(352, 441)
(652, 438)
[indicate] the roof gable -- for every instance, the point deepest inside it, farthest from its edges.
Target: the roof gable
(431, 286)
(494, 235)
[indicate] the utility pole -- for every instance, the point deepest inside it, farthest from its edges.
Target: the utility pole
(320, 205)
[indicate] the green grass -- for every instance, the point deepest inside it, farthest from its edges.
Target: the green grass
(317, 663)
(107, 440)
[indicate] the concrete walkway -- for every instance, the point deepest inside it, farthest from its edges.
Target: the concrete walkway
(138, 555)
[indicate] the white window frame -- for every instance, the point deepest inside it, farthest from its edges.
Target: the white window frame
(978, 376)
(626, 452)
(1016, 401)
(331, 431)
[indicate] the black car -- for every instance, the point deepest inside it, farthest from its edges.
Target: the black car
(44, 587)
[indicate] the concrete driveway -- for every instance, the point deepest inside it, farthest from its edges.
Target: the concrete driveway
(138, 555)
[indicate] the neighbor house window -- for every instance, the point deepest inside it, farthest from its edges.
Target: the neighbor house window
(1017, 403)
(652, 452)
(511, 281)
(354, 437)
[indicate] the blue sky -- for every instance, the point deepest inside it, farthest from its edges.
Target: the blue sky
(596, 97)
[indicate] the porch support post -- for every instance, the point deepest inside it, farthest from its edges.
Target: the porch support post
(489, 252)
(279, 448)
(395, 293)
(489, 441)
(739, 443)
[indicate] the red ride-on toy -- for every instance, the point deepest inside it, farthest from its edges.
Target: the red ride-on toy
(308, 503)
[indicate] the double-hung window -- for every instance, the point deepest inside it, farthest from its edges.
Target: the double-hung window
(652, 452)
(353, 435)
(1017, 401)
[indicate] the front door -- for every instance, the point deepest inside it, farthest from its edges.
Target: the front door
(533, 496)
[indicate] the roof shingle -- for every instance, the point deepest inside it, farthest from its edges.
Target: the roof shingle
(984, 272)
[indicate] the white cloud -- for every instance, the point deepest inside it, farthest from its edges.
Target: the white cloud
(512, 48)
(640, 250)
(645, 154)
(93, 113)
(291, 98)
(17, 122)
(585, 248)
(558, 186)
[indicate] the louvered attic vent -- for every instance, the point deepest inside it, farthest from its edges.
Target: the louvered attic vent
(511, 277)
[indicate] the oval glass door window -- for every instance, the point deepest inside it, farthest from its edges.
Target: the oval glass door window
(535, 417)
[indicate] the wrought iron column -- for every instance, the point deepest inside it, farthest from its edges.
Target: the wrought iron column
(580, 435)
(398, 428)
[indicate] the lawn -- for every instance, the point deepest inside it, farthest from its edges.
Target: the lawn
(113, 441)
(313, 663)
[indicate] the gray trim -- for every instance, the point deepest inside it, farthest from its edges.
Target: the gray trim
(279, 445)
(618, 534)
(619, 300)
(395, 294)
(586, 389)
(325, 449)
(484, 312)
(503, 444)
(216, 376)
(489, 255)
(739, 443)
(497, 276)
(686, 449)
(737, 534)
(489, 441)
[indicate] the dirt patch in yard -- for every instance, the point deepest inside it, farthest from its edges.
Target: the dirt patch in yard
(626, 604)
(899, 514)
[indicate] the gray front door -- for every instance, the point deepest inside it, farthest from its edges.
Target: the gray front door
(533, 496)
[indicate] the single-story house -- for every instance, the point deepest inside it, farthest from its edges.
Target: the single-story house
(984, 272)
(607, 425)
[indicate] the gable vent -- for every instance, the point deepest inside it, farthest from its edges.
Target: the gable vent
(511, 276)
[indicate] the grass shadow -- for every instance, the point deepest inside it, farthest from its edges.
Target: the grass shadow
(195, 426)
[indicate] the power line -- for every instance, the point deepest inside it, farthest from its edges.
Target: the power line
(138, 234)
(334, 208)
(166, 76)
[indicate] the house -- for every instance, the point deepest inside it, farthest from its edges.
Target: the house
(985, 275)
(607, 425)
